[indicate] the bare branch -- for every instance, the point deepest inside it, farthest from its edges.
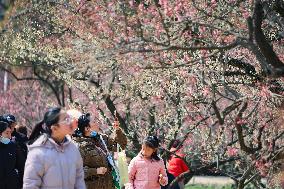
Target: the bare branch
(218, 114)
(16, 77)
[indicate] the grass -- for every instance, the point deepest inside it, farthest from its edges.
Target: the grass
(216, 187)
(207, 187)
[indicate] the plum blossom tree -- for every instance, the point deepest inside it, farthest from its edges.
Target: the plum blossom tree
(206, 72)
(27, 101)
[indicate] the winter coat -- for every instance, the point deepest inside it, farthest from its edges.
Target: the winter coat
(144, 173)
(9, 165)
(53, 166)
(94, 156)
(21, 140)
(176, 165)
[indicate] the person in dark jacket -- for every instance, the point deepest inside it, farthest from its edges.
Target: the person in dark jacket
(20, 140)
(9, 164)
(22, 130)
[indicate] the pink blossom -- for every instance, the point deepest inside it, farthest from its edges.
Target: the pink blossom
(206, 91)
(202, 29)
(213, 4)
(232, 151)
(241, 121)
(131, 3)
(265, 92)
(246, 14)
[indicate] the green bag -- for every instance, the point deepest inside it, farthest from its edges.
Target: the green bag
(115, 179)
(114, 170)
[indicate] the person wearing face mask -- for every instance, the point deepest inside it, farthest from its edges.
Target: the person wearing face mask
(9, 164)
(54, 161)
(20, 140)
(96, 149)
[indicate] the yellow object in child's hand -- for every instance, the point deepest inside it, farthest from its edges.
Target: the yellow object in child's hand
(160, 175)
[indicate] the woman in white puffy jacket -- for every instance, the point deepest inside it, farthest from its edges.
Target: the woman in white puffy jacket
(54, 161)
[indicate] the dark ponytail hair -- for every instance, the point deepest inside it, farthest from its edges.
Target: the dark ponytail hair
(152, 142)
(51, 117)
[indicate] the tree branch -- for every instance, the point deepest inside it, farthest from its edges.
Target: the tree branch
(265, 48)
(16, 77)
(240, 129)
(241, 182)
(184, 48)
(200, 170)
(217, 112)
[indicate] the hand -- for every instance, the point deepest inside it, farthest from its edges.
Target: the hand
(116, 124)
(101, 170)
(162, 180)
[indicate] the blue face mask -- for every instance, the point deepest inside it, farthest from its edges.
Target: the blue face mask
(5, 140)
(94, 133)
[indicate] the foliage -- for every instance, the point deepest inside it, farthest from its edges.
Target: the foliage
(206, 72)
(207, 187)
(27, 101)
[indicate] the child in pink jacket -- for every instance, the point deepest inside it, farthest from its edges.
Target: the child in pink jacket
(147, 169)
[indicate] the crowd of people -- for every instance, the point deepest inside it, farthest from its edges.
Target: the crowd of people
(68, 150)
